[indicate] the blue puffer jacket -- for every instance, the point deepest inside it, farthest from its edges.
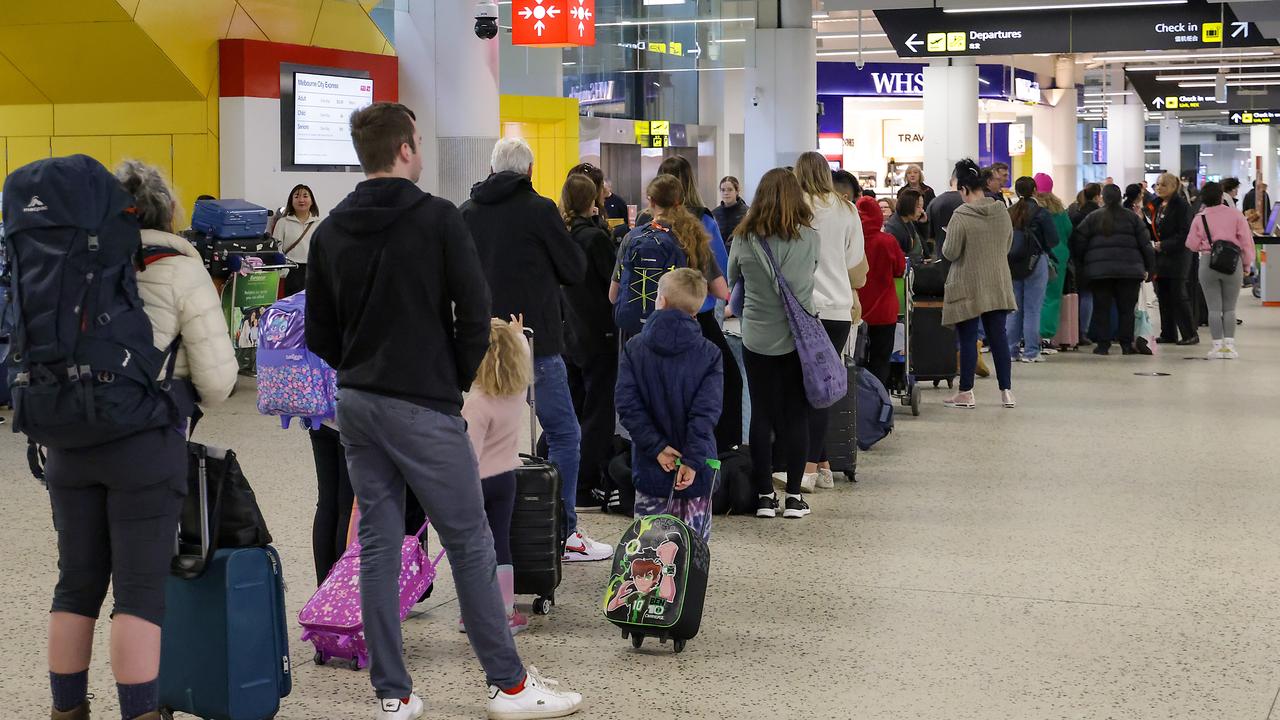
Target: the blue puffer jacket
(670, 392)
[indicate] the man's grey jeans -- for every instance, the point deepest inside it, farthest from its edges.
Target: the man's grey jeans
(393, 444)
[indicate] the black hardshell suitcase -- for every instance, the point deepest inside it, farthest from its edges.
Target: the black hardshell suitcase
(658, 582)
(537, 524)
(933, 345)
(842, 417)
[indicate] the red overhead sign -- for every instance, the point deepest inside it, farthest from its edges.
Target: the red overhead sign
(553, 23)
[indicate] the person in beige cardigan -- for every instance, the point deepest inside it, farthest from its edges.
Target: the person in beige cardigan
(979, 287)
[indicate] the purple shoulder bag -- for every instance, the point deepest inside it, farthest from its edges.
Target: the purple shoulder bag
(826, 380)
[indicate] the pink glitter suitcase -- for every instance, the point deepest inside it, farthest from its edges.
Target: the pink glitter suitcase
(331, 619)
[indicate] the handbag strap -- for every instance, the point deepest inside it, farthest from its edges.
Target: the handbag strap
(306, 231)
(784, 288)
(1208, 235)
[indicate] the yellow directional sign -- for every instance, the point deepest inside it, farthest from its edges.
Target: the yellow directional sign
(937, 42)
(658, 47)
(1171, 102)
(659, 127)
(675, 48)
(1211, 32)
(957, 42)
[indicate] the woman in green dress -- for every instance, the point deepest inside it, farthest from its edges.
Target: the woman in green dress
(1050, 315)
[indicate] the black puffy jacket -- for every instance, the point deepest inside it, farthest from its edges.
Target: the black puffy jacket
(1123, 253)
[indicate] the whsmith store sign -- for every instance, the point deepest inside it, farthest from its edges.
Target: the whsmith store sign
(906, 80)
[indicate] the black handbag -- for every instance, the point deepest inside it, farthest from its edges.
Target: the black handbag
(220, 511)
(1224, 257)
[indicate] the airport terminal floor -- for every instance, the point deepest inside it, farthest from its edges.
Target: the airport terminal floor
(1106, 550)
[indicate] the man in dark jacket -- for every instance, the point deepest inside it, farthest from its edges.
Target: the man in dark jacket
(1258, 199)
(670, 394)
(396, 302)
(527, 255)
(1173, 263)
(940, 211)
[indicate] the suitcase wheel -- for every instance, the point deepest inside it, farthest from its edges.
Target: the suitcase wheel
(915, 400)
(319, 658)
(637, 640)
(950, 383)
(678, 645)
(542, 605)
(937, 382)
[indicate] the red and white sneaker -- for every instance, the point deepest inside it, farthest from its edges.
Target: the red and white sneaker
(539, 697)
(580, 548)
(393, 709)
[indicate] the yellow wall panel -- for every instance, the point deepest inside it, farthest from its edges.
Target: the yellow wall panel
(15, 88)
(152, 149)
(291, 21)
(347, 26)
(98, 148)
(191, 176)
(213, 166)
(130, 6)
(22, 150)
(243, 26)
(95, 62)
(4, 162)
(26, 120)
(211, 109)
(188, 31)
(62, 11)
(131, 118)
(510, 107)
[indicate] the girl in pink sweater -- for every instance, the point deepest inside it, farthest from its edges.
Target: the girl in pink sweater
(1218, 222)
(494, 410)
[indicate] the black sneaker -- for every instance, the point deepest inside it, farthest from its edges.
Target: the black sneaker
(796, 508)
(1102, 349)
(1084, 343)
(767, 507)
(1163, 340)
(1193, 340)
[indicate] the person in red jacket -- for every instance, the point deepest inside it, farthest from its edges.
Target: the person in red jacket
(879, 298)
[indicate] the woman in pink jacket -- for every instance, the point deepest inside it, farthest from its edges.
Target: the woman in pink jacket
(1221, 223)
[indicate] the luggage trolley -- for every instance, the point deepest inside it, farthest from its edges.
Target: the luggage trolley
(929, 348)
(902, 380)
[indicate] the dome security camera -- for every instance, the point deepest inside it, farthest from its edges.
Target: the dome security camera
(486, 20)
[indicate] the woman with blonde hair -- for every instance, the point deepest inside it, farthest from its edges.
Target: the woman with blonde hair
(1171, 221)
(841, 251)
(494, 410)
(591, 337)
(781, 219)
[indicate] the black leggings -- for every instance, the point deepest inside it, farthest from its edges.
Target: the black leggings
(591, 385)
(779, 411)
(334, 498)
(499, 503)
(116, 508)
(1122, 294)
(729, 426)
(1175, 308)
(838, 331)
(880, 350)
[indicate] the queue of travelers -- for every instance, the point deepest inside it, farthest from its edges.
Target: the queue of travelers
(433, 409)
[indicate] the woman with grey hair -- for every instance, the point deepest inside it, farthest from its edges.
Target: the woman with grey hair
(116, 505)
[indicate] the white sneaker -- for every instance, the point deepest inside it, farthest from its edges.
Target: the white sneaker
(808, 482)
(580, 548)
(826, 479)
(1229, 350)
(1215, 352)
(540, 698)
(394, 709)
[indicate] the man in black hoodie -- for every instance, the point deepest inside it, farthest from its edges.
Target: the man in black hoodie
(396, 302)
(527, 255)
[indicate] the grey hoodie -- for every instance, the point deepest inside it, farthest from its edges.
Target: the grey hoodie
(978, 240)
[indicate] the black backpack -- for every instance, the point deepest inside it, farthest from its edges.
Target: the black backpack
(84, 370)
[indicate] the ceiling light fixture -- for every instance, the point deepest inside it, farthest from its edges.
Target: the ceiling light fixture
(1182, 56)
(834, 53)
(1238, 76)
(1065, 6)
(850, 36)
(686, 21)
(676, 70)
(1219, 66)
(723, 41)
(1233, 83)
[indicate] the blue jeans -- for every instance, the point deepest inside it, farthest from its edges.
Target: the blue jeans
(735, 346)
(1024, 323)
(967, 331)
(554, 406)
(1086, 313)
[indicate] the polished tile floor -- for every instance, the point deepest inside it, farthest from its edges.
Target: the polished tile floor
(1110, 549)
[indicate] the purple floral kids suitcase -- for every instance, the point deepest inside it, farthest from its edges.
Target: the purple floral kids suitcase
(331, 619)
(292, 380)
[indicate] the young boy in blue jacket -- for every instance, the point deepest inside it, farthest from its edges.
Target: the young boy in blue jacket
(669, 397)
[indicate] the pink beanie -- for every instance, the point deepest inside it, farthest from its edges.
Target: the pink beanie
(1044, 183)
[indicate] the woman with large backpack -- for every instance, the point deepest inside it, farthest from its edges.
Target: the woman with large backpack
(1034, 237)
(116, 505)
(1113, 249)
(780, 219)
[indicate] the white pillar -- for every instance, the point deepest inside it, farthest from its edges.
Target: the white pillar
(950, 118)
(1263, 142)
(1171, 145)
(449, 78)
(781, 109)
(1054, 131)
(1126, 133)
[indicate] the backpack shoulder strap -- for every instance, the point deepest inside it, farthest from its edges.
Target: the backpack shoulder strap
(152, 254)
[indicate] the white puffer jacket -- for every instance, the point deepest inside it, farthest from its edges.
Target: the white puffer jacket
(179, 298)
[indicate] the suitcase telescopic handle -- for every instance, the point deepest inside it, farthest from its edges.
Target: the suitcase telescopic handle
(533, 406)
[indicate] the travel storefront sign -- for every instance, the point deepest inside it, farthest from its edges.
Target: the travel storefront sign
(906, 80)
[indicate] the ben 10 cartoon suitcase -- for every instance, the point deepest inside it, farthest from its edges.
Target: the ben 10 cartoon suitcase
(658, 582)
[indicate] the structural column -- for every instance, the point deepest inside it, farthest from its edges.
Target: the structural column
(950, 118)
(1126, 134)
(1171, 145)
(449, 77)
(1263, 141)
(781, 90)
(1057, 153)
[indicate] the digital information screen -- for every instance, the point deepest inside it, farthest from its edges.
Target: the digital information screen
(322, 117)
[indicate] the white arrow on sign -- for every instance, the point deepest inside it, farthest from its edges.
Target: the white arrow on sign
(1158, 102)
(1241, 29)
(697, 50)
(1236, 117)
(913, 41)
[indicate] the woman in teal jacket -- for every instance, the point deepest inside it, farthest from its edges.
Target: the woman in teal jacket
(1051, 313)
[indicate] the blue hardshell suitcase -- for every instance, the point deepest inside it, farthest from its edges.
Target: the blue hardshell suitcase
(226, 219)
(225, 648)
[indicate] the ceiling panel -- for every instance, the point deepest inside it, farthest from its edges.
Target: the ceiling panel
(63, 11)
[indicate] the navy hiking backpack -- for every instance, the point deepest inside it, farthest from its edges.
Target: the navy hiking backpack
(84, 370)
(648, 252)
